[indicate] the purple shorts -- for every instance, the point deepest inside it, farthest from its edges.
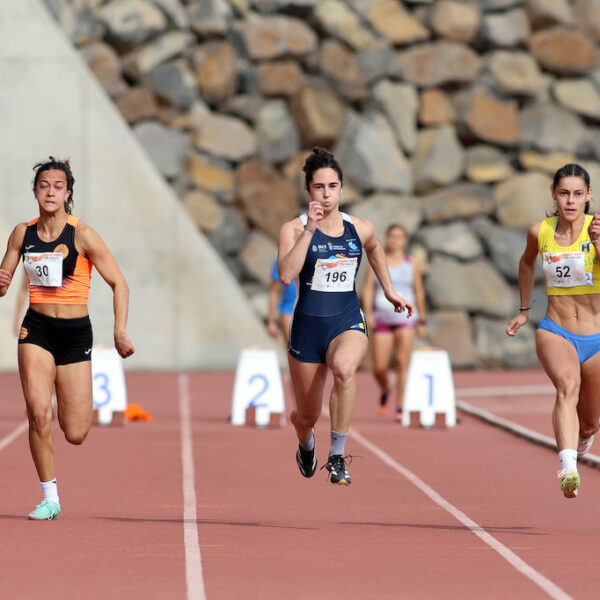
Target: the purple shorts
(384, 328)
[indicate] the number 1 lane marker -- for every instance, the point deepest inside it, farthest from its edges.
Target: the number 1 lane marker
(193, 560)
(515, 561)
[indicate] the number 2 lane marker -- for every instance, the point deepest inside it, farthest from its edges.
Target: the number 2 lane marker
(515, 561)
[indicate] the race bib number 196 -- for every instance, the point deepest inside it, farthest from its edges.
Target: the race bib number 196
(566, 269)
(44, 268)
(334, 275)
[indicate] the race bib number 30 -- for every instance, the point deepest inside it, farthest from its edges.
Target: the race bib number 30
(334, 275)
(44, 268)
(566, 269)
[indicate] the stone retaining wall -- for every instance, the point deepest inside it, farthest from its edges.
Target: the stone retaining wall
(449, 117)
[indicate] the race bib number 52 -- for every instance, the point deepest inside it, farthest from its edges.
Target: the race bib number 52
(566, 269)
(334, 274)
(44, 268)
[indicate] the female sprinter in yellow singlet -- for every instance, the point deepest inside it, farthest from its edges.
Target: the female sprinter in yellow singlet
(568, 337)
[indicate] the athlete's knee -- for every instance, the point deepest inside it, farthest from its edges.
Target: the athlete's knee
(40, 420)
(567, 388)
(343, 373)
(76, 436)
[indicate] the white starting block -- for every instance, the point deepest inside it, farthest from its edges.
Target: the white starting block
(109, 392)
(257, 390)
(429, 389)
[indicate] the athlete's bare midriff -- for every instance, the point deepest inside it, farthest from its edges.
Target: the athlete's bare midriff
(579, 314)
(61, 311)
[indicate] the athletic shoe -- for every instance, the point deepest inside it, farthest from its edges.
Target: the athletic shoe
(383, 405)
(569, 482)
(45, 511)
(398, 416)
(336, 465)
(584, 445)
(307, 461)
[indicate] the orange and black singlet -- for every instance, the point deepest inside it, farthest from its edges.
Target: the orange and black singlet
(58, 273)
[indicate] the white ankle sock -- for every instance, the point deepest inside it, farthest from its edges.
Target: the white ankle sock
(50, 490)
(568, 459)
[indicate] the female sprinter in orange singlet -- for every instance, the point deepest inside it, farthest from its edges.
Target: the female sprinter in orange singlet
(55, 340)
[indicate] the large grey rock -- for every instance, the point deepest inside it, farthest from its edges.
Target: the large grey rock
(578, 95)
(545, 13)
(226, 137)
(371, 157)
(270, 37)
(515, 73)
(458, 201)
(268, 199)
(438, 63)
(257, 256)
(452, 331)
(132, 21)
(438, 159)
(523, 199)
(216, 71)
(210, 17)
(505, 245)
(487, 164)
(338, 65)
(276, 131)
(204, 209)
(168, 148)
(377, 61)
(339, 20)
(587, 17)
(455, 20)
(175, 11)
(142, 60)
(564, 51)
(319, 114)
(104, 62)
(487, 117)
(391, 20)
(385, 209)
(137, 104)
(212, 175)
(77, 22)
(231, 236)
(506, 30)
(495, 348)
(549, 127)
(399, 102)
(474, 286)
(452, 239)
(174, 82)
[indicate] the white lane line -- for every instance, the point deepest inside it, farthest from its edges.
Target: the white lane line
(515, 561)
(505, 390)
(193, 561)
(14, 434)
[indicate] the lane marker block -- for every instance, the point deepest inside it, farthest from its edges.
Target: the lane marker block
(429, 393)
(258, 399)
(109, 391)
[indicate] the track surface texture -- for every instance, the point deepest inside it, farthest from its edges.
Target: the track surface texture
(189, 506)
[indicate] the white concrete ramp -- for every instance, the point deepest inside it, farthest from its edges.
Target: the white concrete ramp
(186, 311)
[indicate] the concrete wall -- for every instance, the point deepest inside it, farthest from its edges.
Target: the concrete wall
(186, 309)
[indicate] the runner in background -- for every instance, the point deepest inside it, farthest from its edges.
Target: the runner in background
(392, 331)
(568, 337)
(281, 300)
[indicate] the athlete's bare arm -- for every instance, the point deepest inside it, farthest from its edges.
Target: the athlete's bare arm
(11, 257)
(91, 244)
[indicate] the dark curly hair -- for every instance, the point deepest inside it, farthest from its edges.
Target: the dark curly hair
(59, 165)
(320, 159)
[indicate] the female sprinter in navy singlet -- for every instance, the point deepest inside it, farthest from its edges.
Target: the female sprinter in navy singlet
(323, 248)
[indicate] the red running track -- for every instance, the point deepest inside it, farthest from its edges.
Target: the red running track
(189, 506)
